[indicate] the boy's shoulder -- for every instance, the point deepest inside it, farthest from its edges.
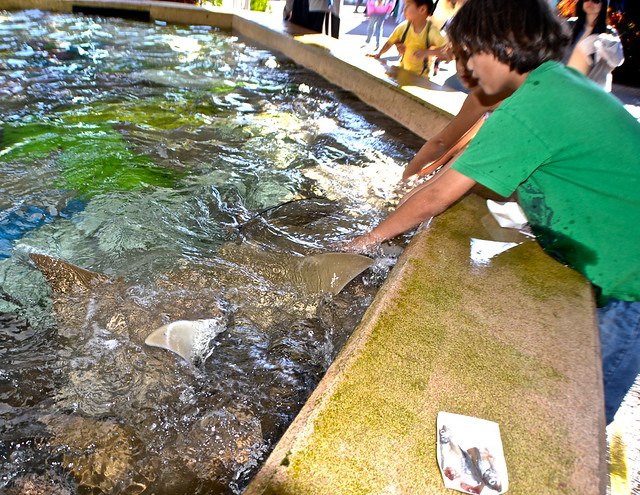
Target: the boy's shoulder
(550, 72)
(435, 34)
(553, 91)
(400, 30)
(550, 67)
(562, 78)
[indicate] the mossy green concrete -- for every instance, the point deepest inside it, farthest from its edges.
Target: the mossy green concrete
(512, 340)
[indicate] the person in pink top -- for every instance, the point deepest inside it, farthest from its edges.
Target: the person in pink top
(377, 10)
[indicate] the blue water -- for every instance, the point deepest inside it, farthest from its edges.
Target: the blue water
(20, 220)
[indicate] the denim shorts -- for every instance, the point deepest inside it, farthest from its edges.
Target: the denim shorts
(619, 323)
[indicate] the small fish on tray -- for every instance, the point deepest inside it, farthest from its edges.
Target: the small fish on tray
(470, 454)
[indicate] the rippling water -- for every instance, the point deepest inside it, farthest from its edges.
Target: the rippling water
(147, 152)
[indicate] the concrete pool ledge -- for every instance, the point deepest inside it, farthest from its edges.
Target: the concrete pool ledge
(510, 338)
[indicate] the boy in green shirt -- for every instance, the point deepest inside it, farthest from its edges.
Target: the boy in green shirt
(570, 150)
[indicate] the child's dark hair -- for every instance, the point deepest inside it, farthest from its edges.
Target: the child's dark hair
(520, 33)
(601, 21)
(428, 3)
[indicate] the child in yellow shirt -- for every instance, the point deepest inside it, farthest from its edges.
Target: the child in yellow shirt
(416, 39)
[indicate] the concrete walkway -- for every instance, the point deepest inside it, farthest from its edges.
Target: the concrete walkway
(353, 31)
(353, 27)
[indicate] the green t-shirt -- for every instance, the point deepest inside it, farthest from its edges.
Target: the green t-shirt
(572, 152)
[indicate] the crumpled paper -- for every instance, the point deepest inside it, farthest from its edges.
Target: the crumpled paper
(508, 215)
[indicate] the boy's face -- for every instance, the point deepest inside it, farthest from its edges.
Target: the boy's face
(463, 72)
(412, 12)
(493, 75)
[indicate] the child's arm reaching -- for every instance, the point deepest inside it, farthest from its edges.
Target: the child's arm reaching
(433, 51)
(385, 48)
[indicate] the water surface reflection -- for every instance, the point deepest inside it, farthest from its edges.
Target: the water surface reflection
(145, 152)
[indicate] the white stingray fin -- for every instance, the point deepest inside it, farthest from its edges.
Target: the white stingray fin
(184, 337)
(330, 272)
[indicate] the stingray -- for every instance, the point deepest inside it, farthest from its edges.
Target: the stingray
(179, 79)
(316, 274)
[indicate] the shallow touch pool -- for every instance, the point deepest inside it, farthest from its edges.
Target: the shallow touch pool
(145, 152)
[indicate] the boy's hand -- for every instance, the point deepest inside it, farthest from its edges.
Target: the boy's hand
(360, 244)
(446, 53)
(406, 184)
(401, 47)
(399, 191)
(422, 54)
(374, 55)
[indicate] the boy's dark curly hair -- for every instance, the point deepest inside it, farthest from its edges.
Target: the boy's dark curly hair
(521, 33)
(428, 3)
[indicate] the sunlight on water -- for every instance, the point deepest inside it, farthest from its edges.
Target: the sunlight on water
(156, 155)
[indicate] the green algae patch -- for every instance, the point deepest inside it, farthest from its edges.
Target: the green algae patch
(157, 113)
(92, 158)
(105, 164)
(32, 141)
(542, 275)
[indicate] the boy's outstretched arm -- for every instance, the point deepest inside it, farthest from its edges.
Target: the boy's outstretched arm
(433, 51)
(386, 47)
(422, 205)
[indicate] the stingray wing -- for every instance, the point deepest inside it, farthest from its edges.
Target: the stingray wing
(65, 277)
(329, 272)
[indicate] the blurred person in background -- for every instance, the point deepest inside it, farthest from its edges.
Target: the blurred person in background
(595, 48)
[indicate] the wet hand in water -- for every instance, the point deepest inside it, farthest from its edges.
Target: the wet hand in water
(363, 244)
(406, 185)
